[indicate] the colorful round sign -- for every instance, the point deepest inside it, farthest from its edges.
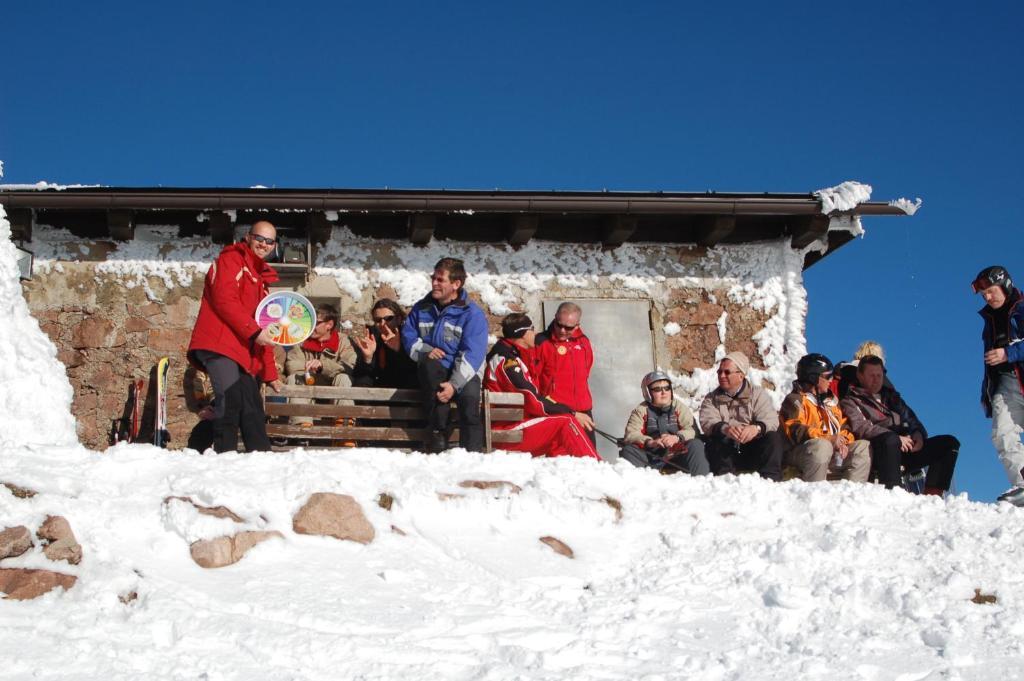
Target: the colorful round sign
(289, 315)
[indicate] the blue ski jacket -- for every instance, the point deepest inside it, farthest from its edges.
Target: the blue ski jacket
(1014, 348)
(460, 329)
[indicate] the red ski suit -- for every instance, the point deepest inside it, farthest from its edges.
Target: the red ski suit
(551, 429)
(235, 285)
(563, 368)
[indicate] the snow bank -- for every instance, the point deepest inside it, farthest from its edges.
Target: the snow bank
(35, 395)
(728, 578)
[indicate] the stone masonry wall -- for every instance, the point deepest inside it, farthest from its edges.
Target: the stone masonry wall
(109, 333)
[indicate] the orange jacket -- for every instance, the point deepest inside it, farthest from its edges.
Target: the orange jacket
(804, 417)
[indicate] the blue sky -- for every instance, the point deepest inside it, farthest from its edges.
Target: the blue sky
(916, 99)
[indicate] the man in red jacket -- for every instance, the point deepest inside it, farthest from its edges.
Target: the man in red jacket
(550, 428)
(562, 362)
(229, 345)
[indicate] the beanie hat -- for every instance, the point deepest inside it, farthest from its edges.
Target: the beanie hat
(740, 360)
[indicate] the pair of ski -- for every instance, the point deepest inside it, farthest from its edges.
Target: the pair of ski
(160, 434)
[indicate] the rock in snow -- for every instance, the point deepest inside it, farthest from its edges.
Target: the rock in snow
(223, 551)
(334, 515)
(61, 543)
(22, 584)
(14, 541)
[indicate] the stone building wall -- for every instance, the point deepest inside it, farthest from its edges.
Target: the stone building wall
(113, 317)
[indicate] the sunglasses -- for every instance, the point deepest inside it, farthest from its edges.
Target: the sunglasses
(378, 320)
(263, 239)
(566, 327)
(662, 389)
(727, 372)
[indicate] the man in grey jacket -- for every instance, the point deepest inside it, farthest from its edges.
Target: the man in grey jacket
(740, 423)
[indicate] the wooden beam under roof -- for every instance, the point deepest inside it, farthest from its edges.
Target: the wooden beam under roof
(807, 230)
(21, 223)
(222, 227)
(618, 229)
(121, 224)
(522, 227)
(421, 228)
(712, 229)
(318, 227)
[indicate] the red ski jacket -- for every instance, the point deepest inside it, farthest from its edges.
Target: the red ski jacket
(563, 368)
(508, 372)
(235, 285)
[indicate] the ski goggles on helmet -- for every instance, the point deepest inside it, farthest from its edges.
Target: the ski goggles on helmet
(983, 282)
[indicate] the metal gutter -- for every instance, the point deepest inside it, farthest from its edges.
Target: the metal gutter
(440, 201)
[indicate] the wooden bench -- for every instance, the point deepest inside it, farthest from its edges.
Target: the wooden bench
(388, 416)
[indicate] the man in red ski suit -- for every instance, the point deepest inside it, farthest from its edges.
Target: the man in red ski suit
(229, 345)
(562, 362)
(551, 428)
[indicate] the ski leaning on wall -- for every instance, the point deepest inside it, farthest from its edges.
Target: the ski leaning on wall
(160, 435)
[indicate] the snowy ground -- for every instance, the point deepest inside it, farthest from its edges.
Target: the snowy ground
(729, 578)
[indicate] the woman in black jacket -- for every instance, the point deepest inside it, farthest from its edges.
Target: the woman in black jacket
(381, 361)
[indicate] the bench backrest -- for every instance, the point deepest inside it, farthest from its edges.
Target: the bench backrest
(386, 415)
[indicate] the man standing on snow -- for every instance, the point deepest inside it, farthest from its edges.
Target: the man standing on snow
(1002, 387)
(446, 335)
(550, 428)
(740, 423)
(229, 345)
(562, 362)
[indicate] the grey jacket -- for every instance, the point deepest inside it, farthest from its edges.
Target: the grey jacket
(751, 405)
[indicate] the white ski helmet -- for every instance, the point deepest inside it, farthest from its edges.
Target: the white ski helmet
(653, 377)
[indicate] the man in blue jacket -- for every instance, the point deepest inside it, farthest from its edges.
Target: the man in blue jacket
(1002, 390)
(446, 335)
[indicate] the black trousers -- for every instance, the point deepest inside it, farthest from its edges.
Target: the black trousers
(237, 405)
(762, 454)
(471, 431)
(938, 454)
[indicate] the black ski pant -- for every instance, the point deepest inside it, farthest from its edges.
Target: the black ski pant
(938, 454)
(471, 431)
(692, 461)
(762, 454)
(236, 405)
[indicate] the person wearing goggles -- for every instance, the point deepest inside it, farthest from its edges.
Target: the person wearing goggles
(1002, 387)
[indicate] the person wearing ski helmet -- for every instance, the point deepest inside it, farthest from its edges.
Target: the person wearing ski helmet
(815, 427)
(660, 431)
(1002, 383)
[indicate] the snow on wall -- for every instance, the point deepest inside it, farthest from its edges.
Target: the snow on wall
(765, 276)
(35, 395)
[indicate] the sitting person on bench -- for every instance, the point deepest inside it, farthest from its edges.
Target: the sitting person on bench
(818, 435)
(898, 438)
(550, 428)
(445, 334)
(321, 359)
(381, 362)
(740, 423)
(660, 432)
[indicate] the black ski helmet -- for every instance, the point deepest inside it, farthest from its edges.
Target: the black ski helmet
(653, 377)
(811, 366)
(996, 275)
